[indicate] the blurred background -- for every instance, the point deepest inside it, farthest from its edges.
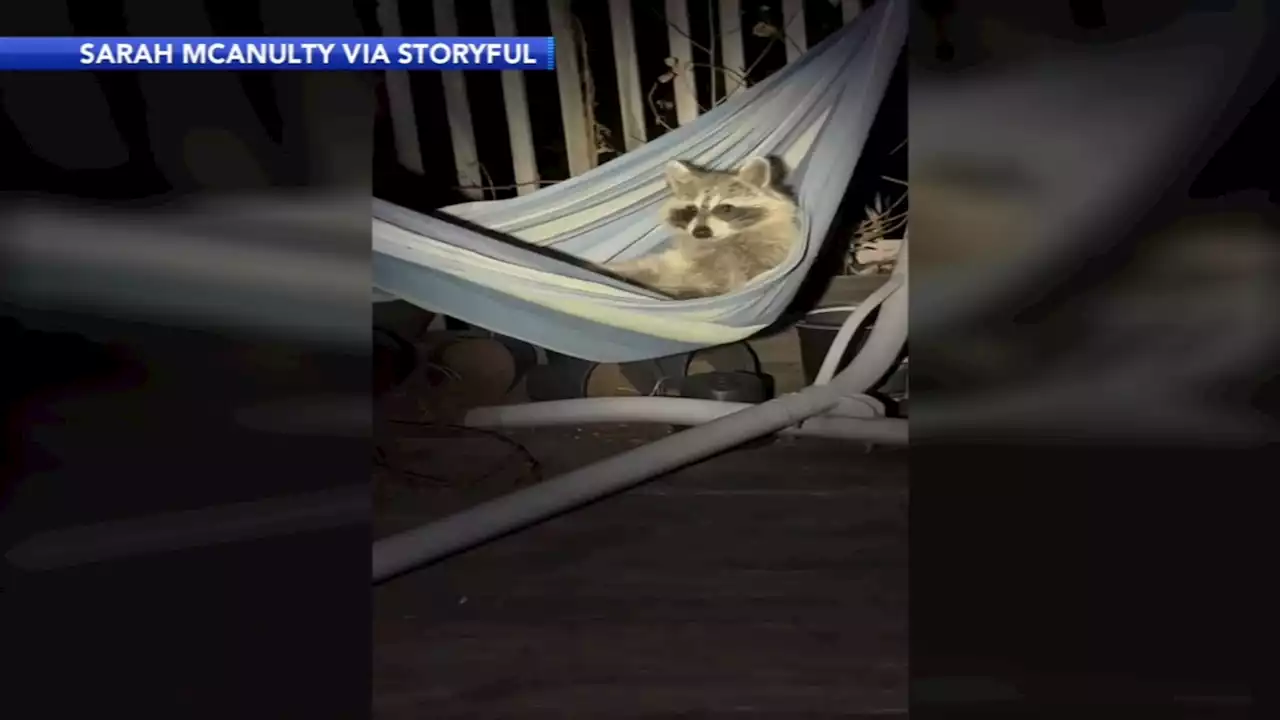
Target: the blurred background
(1094, 219)
(177, 249)
(1095, 240)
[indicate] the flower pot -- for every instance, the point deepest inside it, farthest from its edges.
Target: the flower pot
(816, 333)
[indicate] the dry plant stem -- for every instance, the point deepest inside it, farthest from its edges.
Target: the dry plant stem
(683, 72)
(653, 107)
(488, 179)
(683, 76)
(882, 219)
(879, 229)
(588, 91)
(513, 186)
(710, 51)
(881, 223)
(718, 69)
(901, 199)
(773, 39)
(675, 27)
(779, 34)
(786, 23)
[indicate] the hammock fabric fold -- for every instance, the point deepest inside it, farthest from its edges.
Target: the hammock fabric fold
(516, 267)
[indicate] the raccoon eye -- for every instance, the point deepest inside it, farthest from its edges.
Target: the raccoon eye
(724, 210)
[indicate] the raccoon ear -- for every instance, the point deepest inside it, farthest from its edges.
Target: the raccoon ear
(757, 172)
(681, 179)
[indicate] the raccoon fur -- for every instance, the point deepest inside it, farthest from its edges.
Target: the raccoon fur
(728, 227)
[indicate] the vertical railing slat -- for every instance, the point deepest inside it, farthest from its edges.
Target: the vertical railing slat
(516, 99)
(404, 120)
(579, 141)
(731, 45)
(681, 47)
(793, 28)
(850, 9)
(458, 109)
(628, 68)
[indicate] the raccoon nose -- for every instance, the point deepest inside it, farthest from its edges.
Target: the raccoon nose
(702, 232)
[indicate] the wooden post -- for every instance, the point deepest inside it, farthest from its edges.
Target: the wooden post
(628, 68)
(793, 28)
(516, 100)
(579, 140)
(684, 87)
(731, 45)
(404, 120)
(458, 109)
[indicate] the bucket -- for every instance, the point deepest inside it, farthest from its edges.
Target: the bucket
(394, 359)
(818, 330)
(743, 387)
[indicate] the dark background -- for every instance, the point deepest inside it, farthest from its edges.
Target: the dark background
(1068, 577)
(111, 417)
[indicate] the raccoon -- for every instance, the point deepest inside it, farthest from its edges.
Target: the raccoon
(729, 228)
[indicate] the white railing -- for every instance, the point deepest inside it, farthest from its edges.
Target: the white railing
(576, 96)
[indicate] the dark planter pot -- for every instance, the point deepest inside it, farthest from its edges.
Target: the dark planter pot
(743, 387)
(394, 359)
(817, 331)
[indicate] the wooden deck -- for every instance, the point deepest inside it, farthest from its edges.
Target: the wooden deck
(766, 582)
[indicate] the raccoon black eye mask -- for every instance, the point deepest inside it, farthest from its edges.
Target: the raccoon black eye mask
(740, 216)
(727, 228)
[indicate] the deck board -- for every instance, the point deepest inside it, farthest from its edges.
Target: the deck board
(769, 581)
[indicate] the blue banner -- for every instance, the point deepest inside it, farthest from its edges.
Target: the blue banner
(189, 53)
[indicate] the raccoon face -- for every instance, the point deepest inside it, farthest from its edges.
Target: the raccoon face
(709, 205)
